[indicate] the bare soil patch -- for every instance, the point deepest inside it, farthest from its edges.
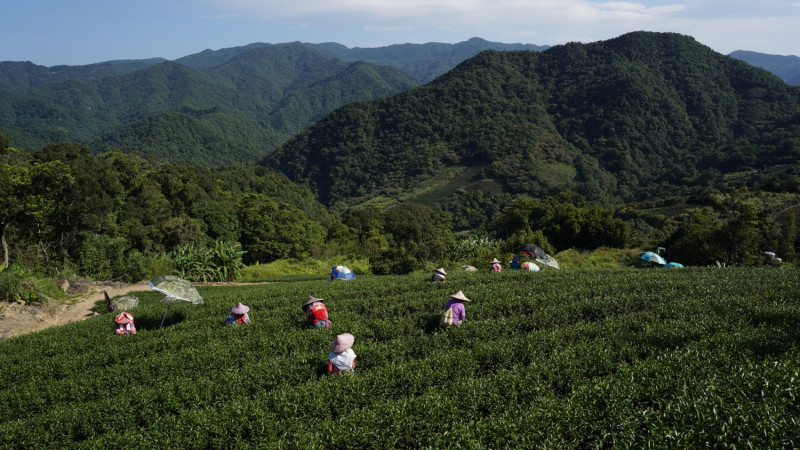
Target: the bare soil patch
(16, 319)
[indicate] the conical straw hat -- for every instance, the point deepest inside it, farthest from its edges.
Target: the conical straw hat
(240, 308)
(312, 299)
(342, 342)
(124, 317)
(460, 296)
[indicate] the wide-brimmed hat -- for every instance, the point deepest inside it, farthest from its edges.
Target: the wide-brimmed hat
(240, 308)
(460, 296)
(342, 342)
(312, 299)
(495, 261)
(123, 318)
(441, 271)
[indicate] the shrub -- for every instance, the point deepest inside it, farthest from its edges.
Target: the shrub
(101, 256)
(629, 358)
(528, 237)
(302, 269)
(157, 265)
(394, 261)
(472, 247)
(18, 284)
(218, 263)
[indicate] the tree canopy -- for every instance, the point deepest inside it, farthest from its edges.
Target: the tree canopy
(627, 119)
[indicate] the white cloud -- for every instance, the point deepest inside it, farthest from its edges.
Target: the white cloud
(721, 24)
(445, 10)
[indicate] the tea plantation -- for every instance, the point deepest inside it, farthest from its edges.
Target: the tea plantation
(578, 359)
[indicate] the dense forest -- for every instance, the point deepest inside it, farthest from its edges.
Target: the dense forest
(115, 214)
(644, 141)
(122, 216)
(423, 61)
(261, 97)
(260, 94)
(135, 106)
(627, 119)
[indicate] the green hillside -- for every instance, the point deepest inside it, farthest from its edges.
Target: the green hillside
(20, 75)
(786, 67)
(556, 359)
(629, 118)
(423, 61)
(271, 93)
(207, 137)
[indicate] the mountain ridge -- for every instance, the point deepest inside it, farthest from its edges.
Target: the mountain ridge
(615, 120)
(108, 104)
(786, 67)
(280, 89)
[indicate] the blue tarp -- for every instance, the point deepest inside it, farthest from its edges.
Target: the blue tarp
(342, 273)
(652, 257)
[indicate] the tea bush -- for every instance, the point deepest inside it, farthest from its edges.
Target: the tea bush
(582, 358)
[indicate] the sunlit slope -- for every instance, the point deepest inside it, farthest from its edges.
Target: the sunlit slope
(555, 359)
(641, 116)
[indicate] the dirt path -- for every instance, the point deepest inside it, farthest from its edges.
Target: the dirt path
(16, 319)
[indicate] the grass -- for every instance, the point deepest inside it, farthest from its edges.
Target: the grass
(296, 270)
(457, 182)
(598, 258)
(698, 357)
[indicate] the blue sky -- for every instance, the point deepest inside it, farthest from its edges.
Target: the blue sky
(75, 32)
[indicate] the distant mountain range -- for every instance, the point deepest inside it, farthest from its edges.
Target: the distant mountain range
(785, 67)
(641, 116)
(424, 61)
(213, 107)
(229, 105)
(234, 111)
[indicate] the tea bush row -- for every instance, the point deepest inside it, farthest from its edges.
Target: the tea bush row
(695, 357)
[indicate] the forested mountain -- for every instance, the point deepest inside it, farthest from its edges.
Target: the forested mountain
(259, 94)
(635, 117)
(424, 61)
(263, 95)
(206, 137)
(228, 105)
(786, 67)
(20, 75)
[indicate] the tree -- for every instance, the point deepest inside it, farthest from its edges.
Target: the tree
(367, 224)
(142, 215)
(14, 182)
(49, 183)
(423, 231)
(219, 219)
(5, 142)
(566, 220)
(88, 204)
(742, 236)
(272, 230)
(695, 241)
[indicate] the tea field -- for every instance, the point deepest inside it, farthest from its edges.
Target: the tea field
(697, 357)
